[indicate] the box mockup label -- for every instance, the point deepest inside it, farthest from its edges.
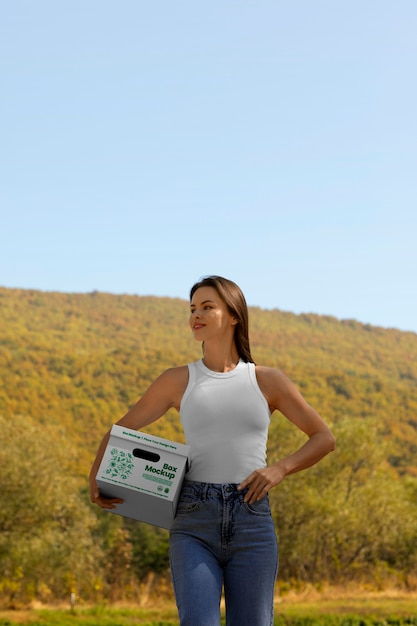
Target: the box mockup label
(146, 471)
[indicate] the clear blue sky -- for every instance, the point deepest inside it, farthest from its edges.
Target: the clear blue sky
(145, 144)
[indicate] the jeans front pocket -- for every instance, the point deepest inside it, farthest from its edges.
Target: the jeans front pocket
(189, 501)
(261, 508)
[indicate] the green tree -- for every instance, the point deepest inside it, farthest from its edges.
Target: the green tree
(150, 548)
(46, 544)
(348, 517)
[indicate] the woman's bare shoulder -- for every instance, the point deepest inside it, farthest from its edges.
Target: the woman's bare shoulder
(270, 375)
(173, 382)
(274, 384)
(176, 374)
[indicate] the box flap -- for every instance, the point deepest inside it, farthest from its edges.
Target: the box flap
(150, 440)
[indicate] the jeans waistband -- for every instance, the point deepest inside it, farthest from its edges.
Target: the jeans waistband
(212, 489)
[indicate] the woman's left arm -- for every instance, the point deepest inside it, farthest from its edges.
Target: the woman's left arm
(284, 396)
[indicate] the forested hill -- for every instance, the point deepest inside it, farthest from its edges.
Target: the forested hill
(76, 362)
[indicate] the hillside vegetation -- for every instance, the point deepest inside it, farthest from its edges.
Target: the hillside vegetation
(72, 364)
(78, 361)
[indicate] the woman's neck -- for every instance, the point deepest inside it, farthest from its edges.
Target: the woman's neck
(220, 361)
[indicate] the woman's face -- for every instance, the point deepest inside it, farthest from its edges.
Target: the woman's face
(209, 315)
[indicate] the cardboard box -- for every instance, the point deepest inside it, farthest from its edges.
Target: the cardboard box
(146, 471)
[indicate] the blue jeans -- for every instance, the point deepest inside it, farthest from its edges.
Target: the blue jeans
(217, 539)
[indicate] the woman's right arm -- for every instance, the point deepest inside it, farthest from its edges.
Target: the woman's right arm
(163, 394)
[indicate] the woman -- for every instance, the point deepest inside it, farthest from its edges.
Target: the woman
(223, 534)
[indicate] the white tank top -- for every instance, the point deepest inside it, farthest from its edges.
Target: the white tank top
(225, 418)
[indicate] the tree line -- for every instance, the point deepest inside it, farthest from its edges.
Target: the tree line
(73, 363)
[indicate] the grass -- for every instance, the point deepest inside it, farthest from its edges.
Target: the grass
(363, 606)
(355, 610)
(91, 617)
